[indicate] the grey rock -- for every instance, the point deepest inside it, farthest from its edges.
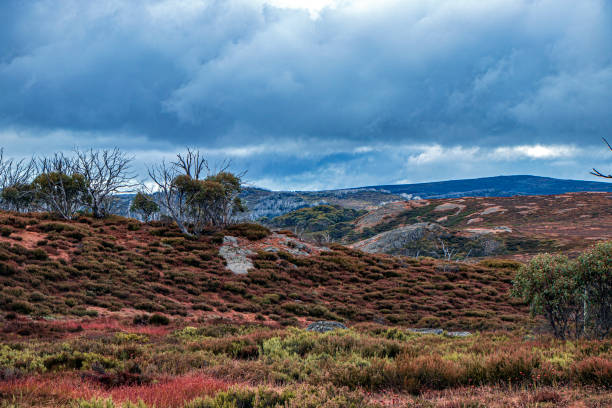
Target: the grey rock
(458, 334)
(325, 326)
(397, 239)
(236, 258)
(295, 247)
(229, 240)
(426, 331)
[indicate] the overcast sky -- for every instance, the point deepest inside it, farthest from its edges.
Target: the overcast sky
(313, 94)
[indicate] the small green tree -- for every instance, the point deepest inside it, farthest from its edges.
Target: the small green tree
(18, 197)
(595, 276)
(144, 205)
(211, 201)
(548, 284)
(59, 192)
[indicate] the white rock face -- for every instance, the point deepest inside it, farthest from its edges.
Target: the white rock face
(237, 258)
(449, 207)
(492, 210)
(389, 241)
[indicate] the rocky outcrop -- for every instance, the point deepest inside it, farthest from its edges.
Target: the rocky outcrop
(449, 207)
(458, 334)
(396, 239)
(278, 242)
(426, 331)
(325, 326)
(439, 332)
(236, 258)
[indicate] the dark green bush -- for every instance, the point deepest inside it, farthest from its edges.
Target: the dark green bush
(159, 320)
(21, 307)
(250, 231)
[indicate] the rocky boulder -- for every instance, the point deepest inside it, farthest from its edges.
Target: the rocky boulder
(236, 257)
(325, 326)
(426, 331)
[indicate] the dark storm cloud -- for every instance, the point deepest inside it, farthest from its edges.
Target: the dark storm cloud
(361, 85)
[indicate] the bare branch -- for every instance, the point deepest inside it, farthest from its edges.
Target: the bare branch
(106, 173)
(596, 172)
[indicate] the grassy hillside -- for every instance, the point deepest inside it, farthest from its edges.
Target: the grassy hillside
(322, 222)
(89, 267)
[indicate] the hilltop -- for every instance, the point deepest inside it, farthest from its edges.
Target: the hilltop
(498, 186)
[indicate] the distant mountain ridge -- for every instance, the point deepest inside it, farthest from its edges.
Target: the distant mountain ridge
(266, 203)
(498, 186)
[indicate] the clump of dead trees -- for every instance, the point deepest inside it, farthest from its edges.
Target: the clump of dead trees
(87, 180)
(188, 190)
(193, 195)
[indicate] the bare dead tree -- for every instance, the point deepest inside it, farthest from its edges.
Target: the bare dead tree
(59, 188)
(167, 194)
(15, 177)
(447, 251)
(14, 172)
(596, 172)
(192, 164)
(106, 173)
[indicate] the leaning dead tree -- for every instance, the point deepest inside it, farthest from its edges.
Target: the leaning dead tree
(106, 173)
(596, 172)
(193, 195)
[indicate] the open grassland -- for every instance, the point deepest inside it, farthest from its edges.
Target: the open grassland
(367, 365)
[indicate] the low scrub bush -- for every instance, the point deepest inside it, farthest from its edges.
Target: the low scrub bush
(159, 320)
(250, 231)
(593, 371)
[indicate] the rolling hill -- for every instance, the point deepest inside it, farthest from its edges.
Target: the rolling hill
(471, 226)
(119, 266)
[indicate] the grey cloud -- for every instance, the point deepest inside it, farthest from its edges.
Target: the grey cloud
(225, 74)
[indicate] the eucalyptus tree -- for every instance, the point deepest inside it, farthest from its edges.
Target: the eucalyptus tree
(194, 195)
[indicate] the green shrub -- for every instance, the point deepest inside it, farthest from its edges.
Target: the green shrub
(108, 403)
(141, 319)
(38, 254)
(21, 307)
(242, 398)
(7, 269)
(250, 231)
(548, 284)
(501, 264)
(159, 320)
(595, 276)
